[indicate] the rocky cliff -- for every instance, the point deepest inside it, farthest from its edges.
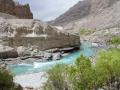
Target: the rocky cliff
(34, 33)
(91, 14)
(12, 8)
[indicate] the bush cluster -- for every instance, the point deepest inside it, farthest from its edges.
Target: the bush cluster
(86, 32)
(82, 75)
(114, 40)
(6, 81)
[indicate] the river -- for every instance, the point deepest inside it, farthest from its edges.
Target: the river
(86, 50)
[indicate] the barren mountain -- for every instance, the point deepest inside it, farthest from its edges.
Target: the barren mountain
(91, 14)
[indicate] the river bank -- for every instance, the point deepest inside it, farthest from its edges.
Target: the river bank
(30, 55)
(32, 75)
(31, 81)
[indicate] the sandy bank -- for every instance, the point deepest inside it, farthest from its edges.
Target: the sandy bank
(34, 80)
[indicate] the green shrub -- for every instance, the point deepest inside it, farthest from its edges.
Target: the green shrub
(56, 78)
(81, 75)
(86, 32)
(84, 76)
(108, 67)
(6, 81)
(114, 40)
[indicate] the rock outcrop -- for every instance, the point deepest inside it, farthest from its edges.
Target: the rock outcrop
(34, 33)
(91, 14)
(7, 52)
(23, 11)
(15, 9)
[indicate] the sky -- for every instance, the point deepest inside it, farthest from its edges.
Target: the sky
(47, 10)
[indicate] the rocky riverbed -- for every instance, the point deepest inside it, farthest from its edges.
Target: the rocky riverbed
(100, 36)
(19, 55)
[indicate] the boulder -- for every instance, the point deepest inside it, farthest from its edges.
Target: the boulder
(17, 86)
(22, 51)
(35, 33)
(95, 45)
(7, 52)
(35, 52)
(57, 56)
(48, 56)
(3, 65)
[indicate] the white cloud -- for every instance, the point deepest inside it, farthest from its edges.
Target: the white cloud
(49, 9)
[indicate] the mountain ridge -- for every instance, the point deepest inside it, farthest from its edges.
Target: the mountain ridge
(90, 14)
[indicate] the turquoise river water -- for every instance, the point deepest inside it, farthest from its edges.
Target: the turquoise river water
(86, 50)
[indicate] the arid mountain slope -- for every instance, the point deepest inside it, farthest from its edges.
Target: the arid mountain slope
(91, 14)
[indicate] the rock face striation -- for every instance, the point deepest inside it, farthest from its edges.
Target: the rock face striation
(15, 9)
(91, 14)
(35, 33)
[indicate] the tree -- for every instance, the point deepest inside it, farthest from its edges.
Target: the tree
(82, 75)
(107, 68)
(56, 78)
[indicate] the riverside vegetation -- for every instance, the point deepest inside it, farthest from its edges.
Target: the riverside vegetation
(114, 40)
(83, 75)
(6, 81)
(86, 32)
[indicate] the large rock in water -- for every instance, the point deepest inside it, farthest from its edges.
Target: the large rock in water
(28, 32)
